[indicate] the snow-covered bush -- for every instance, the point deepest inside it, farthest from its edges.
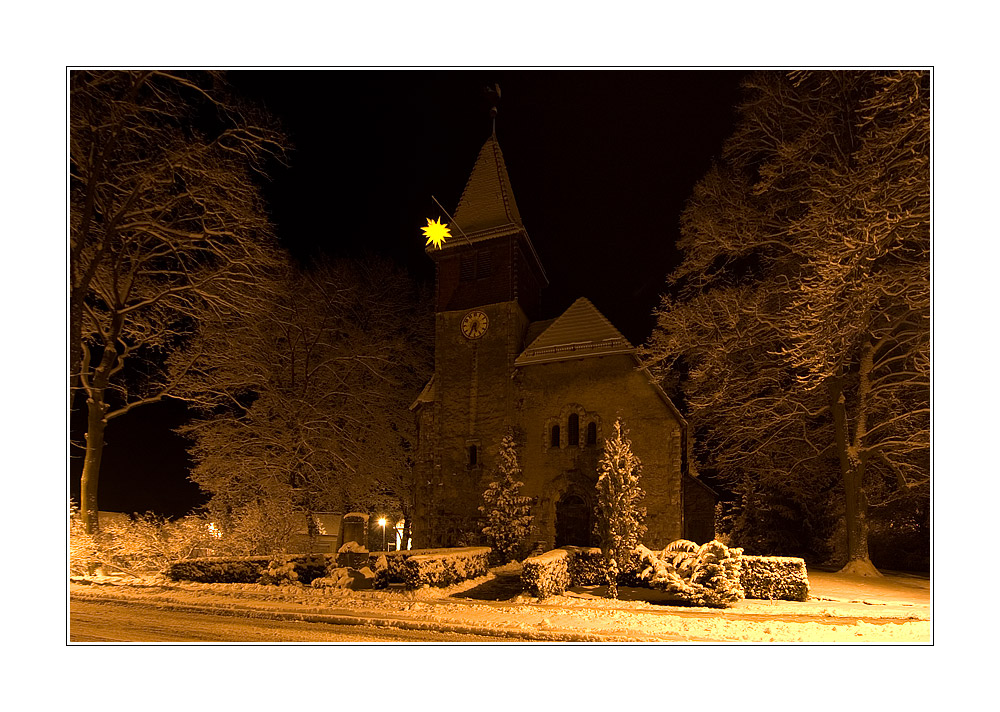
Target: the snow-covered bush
(84, 553)
(279, 572)
(775, 577)
(508, 517)
(381, 572)
(345, 577)
(447, 568)
(547, 574)
(137, 545)
(709, 576)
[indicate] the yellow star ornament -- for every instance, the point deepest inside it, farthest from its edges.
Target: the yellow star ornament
(435, 232)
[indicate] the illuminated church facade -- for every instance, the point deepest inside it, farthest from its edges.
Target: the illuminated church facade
(559, 383)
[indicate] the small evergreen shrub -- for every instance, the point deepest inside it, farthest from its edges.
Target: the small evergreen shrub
(507, 512)
(280, 572)
(381, 572)
(775, 577)
(343, 577)
(709, 576)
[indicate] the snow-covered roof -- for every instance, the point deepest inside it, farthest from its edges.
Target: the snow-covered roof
(488, 201)
(487, 208)
(582, 331)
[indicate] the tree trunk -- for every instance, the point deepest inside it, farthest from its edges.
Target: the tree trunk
(96, 423)
(852, 470)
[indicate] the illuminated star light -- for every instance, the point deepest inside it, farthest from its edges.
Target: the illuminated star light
(435, 232)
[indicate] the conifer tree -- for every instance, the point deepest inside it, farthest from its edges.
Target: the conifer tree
(620, 519)
(507, 512)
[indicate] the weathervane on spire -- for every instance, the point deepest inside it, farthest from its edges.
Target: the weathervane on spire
(493, 96)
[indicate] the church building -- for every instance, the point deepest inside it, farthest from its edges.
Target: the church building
(560, 383)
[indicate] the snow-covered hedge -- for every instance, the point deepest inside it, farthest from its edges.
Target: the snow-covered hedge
(394, 570)
(588, 567)
(446, 568)
(548, 574)
(775, 577)
(249, 569)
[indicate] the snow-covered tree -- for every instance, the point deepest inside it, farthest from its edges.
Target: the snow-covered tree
(801, 307)
(508, 514)
(620, 519)
(307, 402)
(167, 228)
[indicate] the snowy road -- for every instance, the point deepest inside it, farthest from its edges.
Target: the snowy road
(117, 622)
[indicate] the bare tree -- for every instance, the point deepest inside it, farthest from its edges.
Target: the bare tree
(802, 306)
(167, 228)
(307, 401)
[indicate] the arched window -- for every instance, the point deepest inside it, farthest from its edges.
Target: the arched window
(574, 429)
(555, 436)
(591, 433)
(473, 456)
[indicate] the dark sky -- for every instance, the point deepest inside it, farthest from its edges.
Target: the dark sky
(601, 163)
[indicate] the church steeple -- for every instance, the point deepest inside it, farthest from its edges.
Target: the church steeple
(489, 258)
(488, 200)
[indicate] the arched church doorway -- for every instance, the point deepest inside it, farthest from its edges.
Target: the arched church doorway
(573, 521)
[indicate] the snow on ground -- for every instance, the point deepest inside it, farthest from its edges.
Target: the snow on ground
(841, 609)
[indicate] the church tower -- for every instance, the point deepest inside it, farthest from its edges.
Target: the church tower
(488, 286)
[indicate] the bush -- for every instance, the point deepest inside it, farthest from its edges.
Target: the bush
(445, 569)
(774, 577)
(83, 550)
(709, 576)
(346, 577)
(136, 545)
(547, 574)
(279, 572)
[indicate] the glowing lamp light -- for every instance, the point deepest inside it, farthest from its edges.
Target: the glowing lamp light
(381, 523)
(435, 232)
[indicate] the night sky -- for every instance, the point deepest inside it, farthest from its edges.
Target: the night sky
(601, 163)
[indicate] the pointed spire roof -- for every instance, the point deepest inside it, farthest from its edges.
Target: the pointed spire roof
(580, 332)
(488, 201)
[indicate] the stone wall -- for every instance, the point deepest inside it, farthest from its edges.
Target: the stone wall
(597, 389)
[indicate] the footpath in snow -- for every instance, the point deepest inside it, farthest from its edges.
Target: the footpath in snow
(841, 609)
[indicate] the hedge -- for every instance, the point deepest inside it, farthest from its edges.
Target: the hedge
(248, 569)
(447, 567)
(547, 574)
(394, 570)
(775, 577)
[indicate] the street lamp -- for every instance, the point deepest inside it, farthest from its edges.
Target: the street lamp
(381, 523)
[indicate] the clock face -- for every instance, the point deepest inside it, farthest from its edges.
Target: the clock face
(474, 324)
